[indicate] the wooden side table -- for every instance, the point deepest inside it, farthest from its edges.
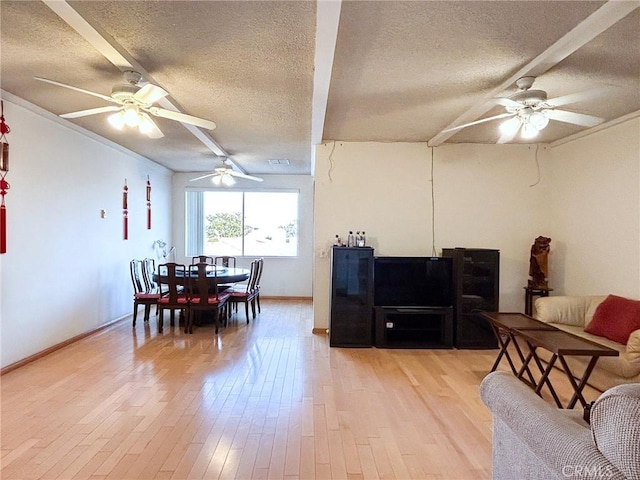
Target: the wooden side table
(533, 292)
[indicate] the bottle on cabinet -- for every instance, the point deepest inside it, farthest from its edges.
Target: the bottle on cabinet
(361, 242)
(351, 241)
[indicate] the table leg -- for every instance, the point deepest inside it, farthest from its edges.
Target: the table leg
(545, 373)
(503, 350)
(528, 302)
(577, 388)
(525, 362)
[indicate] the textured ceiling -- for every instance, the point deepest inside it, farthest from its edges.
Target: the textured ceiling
(402, 71)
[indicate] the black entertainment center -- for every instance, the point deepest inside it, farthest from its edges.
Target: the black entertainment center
(403, 302)
(413, 300)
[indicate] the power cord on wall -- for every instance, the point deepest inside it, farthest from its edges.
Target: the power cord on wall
(433, 208)
(537, 166)
(333, 147)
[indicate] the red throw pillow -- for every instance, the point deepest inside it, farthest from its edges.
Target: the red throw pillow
(615, 318)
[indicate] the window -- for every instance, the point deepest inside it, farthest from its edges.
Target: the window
(259, 224)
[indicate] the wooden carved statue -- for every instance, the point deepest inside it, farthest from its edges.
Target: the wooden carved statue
(538, 263)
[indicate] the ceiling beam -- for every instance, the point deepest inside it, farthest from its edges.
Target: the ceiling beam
(327, 22)
(606, 16)
(118, 56)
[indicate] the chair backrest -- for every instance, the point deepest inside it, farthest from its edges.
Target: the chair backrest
(170, 277)
(137, 279)
(148, 269)
(225, 261)
(199, 283)
(259, 276)
(254, 275)
(202, 259)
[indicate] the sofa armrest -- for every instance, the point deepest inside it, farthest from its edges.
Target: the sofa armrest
(615, 423)
(569, 310)
(558, 442)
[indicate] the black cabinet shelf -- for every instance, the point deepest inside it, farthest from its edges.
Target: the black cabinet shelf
(476, 274)
(415, 327)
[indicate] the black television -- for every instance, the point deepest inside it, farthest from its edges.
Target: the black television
(413, 281)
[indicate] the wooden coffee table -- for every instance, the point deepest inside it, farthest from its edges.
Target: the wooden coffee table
(504, 325)
(561, 344)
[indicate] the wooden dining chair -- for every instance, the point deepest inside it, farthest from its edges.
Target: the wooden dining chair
(246, 293)
(225, 261)
(148, 271)
(171, 277)
(258, 279)
(141, 293)
(203, 259)
(204, 296)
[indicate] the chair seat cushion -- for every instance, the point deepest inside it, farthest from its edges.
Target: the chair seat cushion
(211, 300)
(181, 300)
(147, 296)
(199, 300)
(242, 296)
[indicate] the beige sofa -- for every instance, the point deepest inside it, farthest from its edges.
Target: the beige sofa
(534, 440)
(573, 313)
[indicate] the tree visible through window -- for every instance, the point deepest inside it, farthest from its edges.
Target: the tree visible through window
(242, 223)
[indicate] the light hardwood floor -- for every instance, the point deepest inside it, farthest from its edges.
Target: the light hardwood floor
(264, 400)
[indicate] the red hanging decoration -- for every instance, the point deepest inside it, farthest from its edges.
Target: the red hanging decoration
(125, 210)
(148, 203)
(4, 185)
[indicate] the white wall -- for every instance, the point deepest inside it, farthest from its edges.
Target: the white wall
(282, 277)
(484, 198)
(595, 193)
(66, 270)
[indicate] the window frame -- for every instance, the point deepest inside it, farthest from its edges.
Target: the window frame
(194, 244)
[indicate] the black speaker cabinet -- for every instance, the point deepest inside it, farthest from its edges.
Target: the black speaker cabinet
(351, 322)
(476, 274)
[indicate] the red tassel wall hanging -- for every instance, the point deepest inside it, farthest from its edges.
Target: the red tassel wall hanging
(148, 203)
(4, 185)
(125, 210)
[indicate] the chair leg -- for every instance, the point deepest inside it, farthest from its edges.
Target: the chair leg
(160, 320)
(258, 301)
(253, 307)
(135, 313)
(188, 324)
(147, 309)
(246, 310)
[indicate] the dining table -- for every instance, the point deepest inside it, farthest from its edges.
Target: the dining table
(215, 276)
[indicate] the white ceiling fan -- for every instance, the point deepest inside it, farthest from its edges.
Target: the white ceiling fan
(529, 111)
(134, 104)
(224, 175)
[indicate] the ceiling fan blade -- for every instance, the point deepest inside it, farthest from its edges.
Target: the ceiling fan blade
(572, 117)
(150, 94)
(203, 176)
(579, 96)
(507, 102)
(182, 117)
(91, 111)
(244, 175)
(482, 120)
(81, 90)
